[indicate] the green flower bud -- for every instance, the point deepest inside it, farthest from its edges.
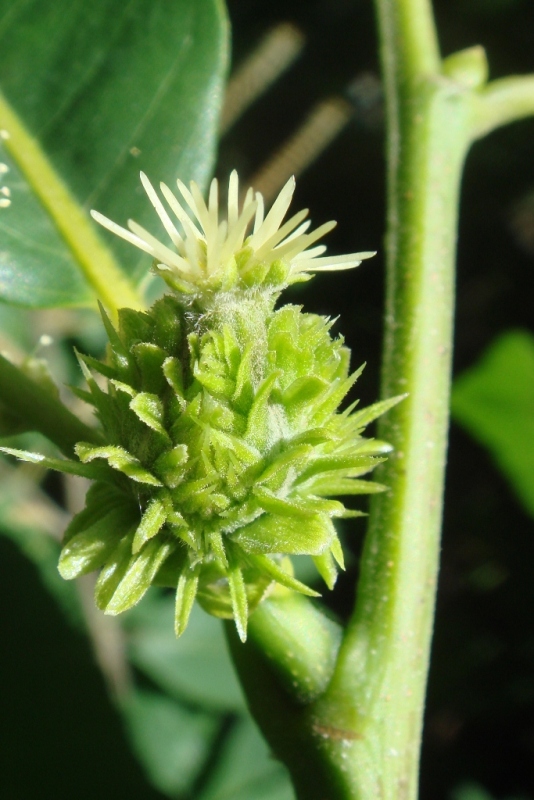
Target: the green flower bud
(222, 443)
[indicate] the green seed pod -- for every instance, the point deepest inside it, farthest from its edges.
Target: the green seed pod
(222, 443)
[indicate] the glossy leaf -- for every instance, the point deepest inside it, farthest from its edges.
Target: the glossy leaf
(107, 89)
(494, 401)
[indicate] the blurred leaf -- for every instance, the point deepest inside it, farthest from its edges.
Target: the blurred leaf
(109, 89)
(23, 517)
(196, 667)
(473, 791)
(246, 770)
(470, 791)
(494, 401)
(171, 741)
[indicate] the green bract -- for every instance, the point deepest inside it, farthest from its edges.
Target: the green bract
(221, 440)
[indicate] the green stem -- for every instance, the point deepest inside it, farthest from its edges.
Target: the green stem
(301, 643)
(287, 662)
(95, 260)
(503, 101)
(409, 24)
(378, 687)
(360, 739)
(40, 410)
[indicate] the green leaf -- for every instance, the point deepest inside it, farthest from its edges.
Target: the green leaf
(326, 568)
(331, 485)
(171, 741)
(494, 401)
(89, 549)
(138, 577)
(195, 668)
(186, 592)
(101, 500)
(238, 596)
(109, 89)
(113, 572)
(60, 465)
(151, 522)
(51, 276)
(119, 459)
(246, 769)
(269, 567)
(149, 409)
(272, 533)
(279, 505)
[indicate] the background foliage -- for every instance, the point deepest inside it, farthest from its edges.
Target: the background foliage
(87, 106)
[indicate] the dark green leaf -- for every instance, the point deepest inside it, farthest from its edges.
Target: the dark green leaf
(36, 265)
(108, 89)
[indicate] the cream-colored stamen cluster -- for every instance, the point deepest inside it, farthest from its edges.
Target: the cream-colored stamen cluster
(208, 247)
(5, 191)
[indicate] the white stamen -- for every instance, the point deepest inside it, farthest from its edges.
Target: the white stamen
(159, 250)
(281, 233)
(276, 214)
(260, 211)
(233, 199)
(207, 245)
(161, 212)
(189, 227)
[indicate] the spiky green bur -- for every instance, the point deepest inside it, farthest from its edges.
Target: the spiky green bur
(222, 444)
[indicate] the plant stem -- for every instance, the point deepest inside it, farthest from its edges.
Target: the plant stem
(378, 688)
(409, 26)
(40, 410)
(288, 661)
(502, 101)
(95, 260)
(360, 739)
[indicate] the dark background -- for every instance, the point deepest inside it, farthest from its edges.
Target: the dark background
(480, 714)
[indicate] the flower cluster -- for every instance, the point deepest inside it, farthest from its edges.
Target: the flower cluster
(221, 443)
(213, 255)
